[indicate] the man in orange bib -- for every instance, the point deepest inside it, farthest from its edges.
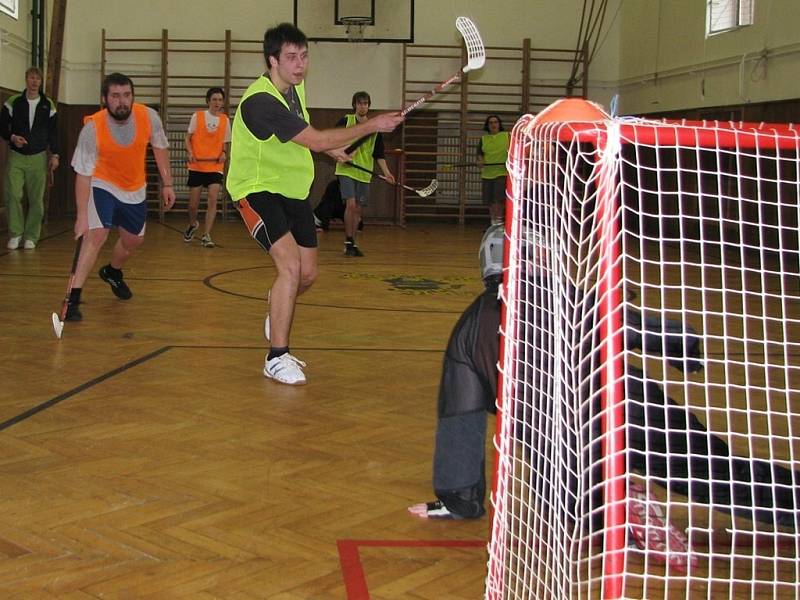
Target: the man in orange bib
(207, 144)
(110, 183)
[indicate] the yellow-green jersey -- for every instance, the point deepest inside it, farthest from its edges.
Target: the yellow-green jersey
(494, 149)
(363, 156)
(263, 157)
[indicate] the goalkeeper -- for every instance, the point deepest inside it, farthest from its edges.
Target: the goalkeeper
(665, 441)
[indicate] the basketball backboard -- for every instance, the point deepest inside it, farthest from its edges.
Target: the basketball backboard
(386, 21)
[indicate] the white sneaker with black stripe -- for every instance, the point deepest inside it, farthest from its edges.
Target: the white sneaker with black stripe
(286, 369)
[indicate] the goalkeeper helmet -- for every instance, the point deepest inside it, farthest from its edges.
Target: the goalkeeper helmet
(491, 252)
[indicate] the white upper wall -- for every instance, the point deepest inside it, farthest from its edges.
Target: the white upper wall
(15, 47)
(654, 52)
(667, 63)
(336, 69)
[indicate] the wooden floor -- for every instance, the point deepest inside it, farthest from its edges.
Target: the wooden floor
(144, 455)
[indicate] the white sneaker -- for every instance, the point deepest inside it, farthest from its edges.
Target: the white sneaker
(13, 243)
(285, 369)
(29, 245)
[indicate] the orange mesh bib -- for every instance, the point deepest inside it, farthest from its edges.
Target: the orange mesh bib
(122, 166)
(208, 145)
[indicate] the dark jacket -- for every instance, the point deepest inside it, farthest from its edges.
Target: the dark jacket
(14, 120)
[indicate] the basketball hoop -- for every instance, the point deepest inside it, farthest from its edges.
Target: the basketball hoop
(354, 27)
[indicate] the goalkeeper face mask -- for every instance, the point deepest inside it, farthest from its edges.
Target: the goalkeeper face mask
(491, 251)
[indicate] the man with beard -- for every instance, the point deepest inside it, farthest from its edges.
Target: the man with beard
(110, 186)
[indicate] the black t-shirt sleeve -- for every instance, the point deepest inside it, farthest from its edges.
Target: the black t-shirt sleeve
(265, 116)
(378, 151)
(341, 122)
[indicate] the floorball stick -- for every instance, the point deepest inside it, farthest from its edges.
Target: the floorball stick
(58, 318)
(452, 166)
(476, 57)
(423, 192)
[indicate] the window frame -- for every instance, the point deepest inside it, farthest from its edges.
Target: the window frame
(741, 11)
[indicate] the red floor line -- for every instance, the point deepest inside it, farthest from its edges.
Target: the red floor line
(355, 582)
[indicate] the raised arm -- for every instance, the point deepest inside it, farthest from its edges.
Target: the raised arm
(322, 140)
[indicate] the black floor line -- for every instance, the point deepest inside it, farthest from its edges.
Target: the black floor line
(77, 390)
(134, 363)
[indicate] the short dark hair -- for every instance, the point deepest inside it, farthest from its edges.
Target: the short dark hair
(276, 37)
(33, 71)
(214, 90)
(486, 122)
(361, 96)
(114, 79)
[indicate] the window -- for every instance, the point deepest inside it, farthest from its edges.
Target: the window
(724, 15)
(10, 7)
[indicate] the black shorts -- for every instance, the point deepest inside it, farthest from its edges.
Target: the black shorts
(493, 191)
(270, 216)
(203, 178)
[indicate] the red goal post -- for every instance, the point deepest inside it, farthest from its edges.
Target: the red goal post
(649, 361)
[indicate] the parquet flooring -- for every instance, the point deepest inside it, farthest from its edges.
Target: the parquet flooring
(144, 455)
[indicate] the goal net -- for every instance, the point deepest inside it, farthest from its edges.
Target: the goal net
(648, 438)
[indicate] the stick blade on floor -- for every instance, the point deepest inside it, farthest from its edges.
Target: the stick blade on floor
(58, 325)
(56, 318)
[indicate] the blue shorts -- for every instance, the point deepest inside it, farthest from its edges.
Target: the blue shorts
(105, 212)
(352, 188)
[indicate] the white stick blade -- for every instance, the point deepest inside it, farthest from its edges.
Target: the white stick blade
(476, 53)
(58, 325)
(427, 191)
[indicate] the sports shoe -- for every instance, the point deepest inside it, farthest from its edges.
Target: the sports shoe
(285, 369)
(206, 241)
(650, 531)
(29, 245)
(352, 250)
(13, 243)
(190, 230)
(73, 312)
(119, 287)
(357, 251)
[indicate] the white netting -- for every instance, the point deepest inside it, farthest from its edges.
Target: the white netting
(654, 268)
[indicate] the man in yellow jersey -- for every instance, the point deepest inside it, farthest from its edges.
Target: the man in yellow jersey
(492, 156)
(110, 183)
(353, 182)
(270, 175)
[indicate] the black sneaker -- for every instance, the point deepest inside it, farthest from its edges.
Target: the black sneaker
(119, 287)
(73, 312)
(349, 250)
(190, 231)
(357, 251)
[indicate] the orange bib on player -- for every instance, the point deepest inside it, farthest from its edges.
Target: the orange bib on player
(122, 166)
(206, 144)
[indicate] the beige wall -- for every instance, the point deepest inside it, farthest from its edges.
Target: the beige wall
(667, 63)
(654, 53)
(15, 47)
(377, 68)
